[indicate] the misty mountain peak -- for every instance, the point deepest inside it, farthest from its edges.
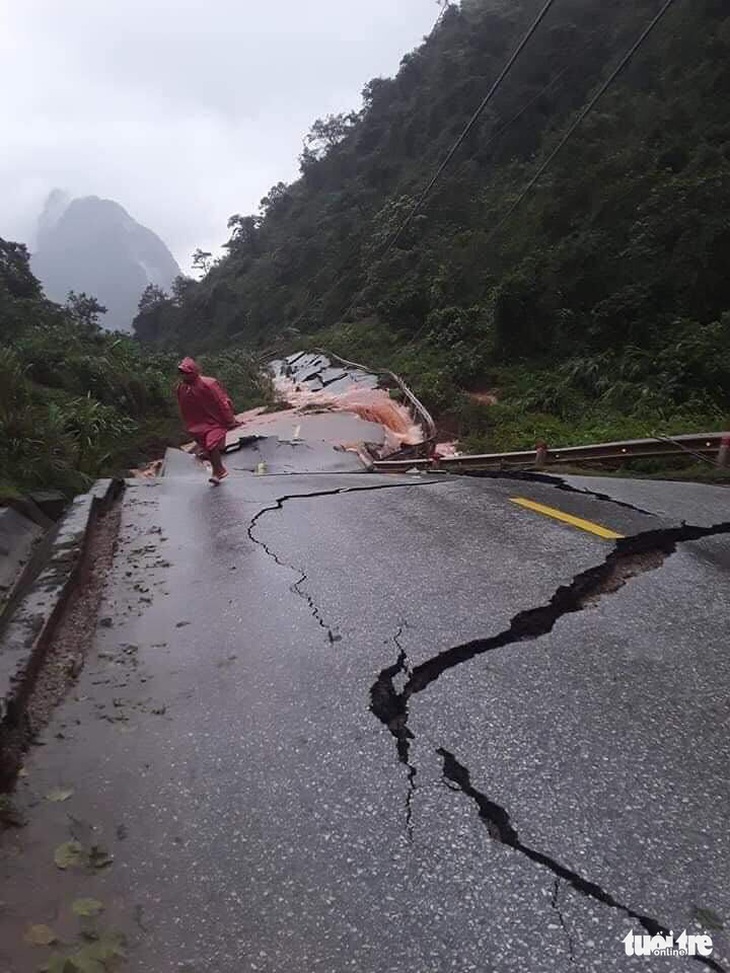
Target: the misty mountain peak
(93, 245)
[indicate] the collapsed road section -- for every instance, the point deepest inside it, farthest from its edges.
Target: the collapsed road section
(329, 400)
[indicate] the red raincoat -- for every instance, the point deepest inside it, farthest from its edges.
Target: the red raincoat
(205, 407)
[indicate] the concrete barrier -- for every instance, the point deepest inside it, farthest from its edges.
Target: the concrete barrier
(18, 537)
(27, 633)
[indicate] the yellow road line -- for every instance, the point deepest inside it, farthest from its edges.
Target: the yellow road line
(588, 525)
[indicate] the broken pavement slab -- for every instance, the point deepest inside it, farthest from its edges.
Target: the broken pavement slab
(52, 503)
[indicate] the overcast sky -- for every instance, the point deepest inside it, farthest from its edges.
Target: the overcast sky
(183, 111)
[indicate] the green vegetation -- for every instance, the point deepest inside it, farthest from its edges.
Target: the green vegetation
(601, 309)
(77, 402)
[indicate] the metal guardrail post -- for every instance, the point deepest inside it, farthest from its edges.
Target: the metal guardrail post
(723, 453)
(703, 446)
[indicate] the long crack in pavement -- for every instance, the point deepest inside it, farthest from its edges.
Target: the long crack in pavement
(631, 557)
(381, 698)
(403, 752)
(554, 903)
(279, 504)
(501, 830)
(558, 483)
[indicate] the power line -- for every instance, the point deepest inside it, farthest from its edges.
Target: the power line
(492, 138)
(582, 116)
(470, 125)
(454, 148)
(472, 121)
(445, 5)
(579, 119)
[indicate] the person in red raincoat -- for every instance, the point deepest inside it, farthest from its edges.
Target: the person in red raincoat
(207, 412)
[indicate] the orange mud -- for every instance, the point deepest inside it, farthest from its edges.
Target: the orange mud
(372, 405)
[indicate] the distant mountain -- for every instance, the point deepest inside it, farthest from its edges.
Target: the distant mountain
(94, 245)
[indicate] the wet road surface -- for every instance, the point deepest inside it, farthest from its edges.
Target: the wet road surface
(341, 721)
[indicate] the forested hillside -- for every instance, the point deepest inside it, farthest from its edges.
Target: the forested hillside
(77, 402)
(605, 294)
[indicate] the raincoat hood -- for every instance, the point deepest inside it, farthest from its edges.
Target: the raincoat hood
(188, 366)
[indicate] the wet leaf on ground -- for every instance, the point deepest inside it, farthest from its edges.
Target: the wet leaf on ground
(69, 855)
(40, 935)
(59, 794)
(97, 957)
(87, 907)
(101, 954)
(60, 964)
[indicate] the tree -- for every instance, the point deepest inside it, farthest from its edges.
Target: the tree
(325, 134)
(84, 309)
(274, 199)
(202, 260)
(152, 297)
(15, 272)
(372, 88)
(181, 288)
(244, 232)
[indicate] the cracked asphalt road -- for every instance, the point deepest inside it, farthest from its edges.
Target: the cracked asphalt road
(274, 802)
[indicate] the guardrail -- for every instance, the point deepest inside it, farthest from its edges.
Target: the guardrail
(421, 413)
(713, 446)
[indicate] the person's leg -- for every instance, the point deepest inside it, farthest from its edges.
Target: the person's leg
(216, 462)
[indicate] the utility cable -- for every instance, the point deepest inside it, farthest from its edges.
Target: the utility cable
(454, 148)
(492, 138)
(561, 144)
(582, 116)
(470, 124)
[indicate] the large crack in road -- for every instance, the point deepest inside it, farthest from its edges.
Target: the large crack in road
(278, 505)
(501, 830)
(557, 483)
(630, 558)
